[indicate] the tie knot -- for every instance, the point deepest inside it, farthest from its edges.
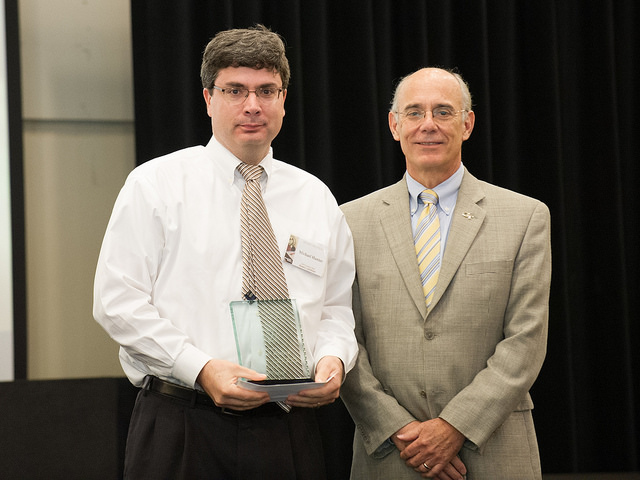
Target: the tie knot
(250, 172)
(429, 196)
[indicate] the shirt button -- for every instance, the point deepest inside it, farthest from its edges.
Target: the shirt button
(423, 394)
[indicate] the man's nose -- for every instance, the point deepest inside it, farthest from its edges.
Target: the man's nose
(252, 103)
(428, 122)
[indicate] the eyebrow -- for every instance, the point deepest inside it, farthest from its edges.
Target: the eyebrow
(421, 106)
(242, 85)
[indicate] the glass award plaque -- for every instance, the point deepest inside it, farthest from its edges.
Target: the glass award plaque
(259, 327)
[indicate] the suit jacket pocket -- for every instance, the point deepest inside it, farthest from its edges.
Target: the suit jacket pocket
(494, 266)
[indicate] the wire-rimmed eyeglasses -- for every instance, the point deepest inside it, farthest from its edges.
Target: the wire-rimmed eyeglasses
(439, 114)
(237, 95)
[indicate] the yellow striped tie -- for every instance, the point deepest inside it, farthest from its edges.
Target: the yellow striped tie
(427, 242)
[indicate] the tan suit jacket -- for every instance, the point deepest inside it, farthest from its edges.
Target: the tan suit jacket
(472, 357)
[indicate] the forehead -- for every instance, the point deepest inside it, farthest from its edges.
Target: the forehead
(248, 76)
(430, 88)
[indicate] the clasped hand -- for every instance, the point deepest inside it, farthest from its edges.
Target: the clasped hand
(434, 443)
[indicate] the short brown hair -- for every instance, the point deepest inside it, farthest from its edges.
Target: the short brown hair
(256, 47)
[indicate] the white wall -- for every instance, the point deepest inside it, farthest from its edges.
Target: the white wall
(77, 89)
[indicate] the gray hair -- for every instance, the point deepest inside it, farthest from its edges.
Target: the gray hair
(256, 47)
(467, 104)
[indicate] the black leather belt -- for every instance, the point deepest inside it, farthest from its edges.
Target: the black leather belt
(195, 397)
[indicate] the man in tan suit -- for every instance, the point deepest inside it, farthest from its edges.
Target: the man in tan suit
(441, 385)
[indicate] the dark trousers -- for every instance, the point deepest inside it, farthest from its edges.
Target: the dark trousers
(171, 439)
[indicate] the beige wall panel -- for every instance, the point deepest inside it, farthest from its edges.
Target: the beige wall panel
(73, 172)
(76, 59)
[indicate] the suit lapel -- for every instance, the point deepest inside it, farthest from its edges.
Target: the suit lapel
(396, 225)
(465, 224)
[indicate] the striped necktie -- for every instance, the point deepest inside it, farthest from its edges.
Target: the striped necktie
(263, 279)
(427, 243)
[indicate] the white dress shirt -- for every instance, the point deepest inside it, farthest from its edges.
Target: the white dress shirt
(171, 263)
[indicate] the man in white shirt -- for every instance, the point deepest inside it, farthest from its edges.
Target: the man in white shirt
(171, 264)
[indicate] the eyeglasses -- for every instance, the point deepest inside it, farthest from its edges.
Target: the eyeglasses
(439, 114)
(237, 95)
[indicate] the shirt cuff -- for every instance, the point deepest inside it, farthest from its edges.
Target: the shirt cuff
(189, 364)
(385, 449)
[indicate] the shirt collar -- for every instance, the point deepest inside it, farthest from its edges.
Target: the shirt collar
(227, 162)
(447, 191)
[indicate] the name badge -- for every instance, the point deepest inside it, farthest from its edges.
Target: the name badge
(306, 255)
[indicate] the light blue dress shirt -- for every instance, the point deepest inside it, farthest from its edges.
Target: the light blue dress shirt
(447, 196)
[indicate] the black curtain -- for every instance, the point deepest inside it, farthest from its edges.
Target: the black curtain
(14, 109)
(555, 101)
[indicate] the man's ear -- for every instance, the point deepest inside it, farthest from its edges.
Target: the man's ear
(207, 99)
(468, 125)
(393, 126)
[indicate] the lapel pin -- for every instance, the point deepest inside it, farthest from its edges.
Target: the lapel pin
(468, 215)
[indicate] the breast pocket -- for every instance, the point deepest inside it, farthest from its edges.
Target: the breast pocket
(494, 266)
(487, 287)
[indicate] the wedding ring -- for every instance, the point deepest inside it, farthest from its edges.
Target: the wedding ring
(426, 466)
